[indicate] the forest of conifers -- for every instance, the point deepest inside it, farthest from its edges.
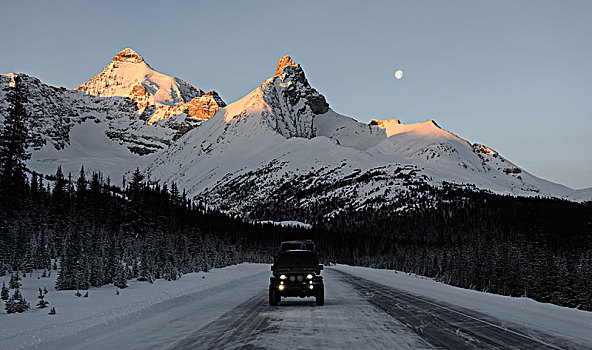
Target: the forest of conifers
(101, 234)
(93, 233)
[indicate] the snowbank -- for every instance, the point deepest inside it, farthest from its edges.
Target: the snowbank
(102, 308)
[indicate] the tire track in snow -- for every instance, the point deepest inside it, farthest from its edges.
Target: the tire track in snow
(234, 330)
(347, 321)
(445, 326)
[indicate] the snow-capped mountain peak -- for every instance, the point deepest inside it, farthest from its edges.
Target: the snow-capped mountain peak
(129, 75)
(280, 144)
(129, 56)
(284, 62)
(287, 102)
(284, 103)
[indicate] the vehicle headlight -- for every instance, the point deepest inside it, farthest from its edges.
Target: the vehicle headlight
(292, 278)
(283, 277)
(300, 278)
(282, 287)
(309, 276)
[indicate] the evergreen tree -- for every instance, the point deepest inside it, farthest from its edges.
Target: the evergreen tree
(16, 303)
(136, 185)
(9, 306)
(22, 305)
(59, 187)
(14, 282)
(120, 278)
(81, 182)
(4, 295)
(42, 304)
(73, 265)
(14, 139)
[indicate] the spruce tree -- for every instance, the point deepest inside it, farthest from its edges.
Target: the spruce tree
(70, 274)
(120, 278)
(14, 139)
(81, 182)
(4, 295)
(59, 186)
(42, 304)
(136, 185)
(9, 306)
(14, 282)
(22, 305)
(16, 303)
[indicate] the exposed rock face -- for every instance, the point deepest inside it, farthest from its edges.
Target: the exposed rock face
(282, 63)
(383, 123)
(128, 75)
(279, 145)
(128, 55)
(55, 111)
(205, 106)
(293, 101)
(281, 153)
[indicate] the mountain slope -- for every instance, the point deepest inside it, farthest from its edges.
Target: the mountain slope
(128, 75)
(282, 143)
(115, 122)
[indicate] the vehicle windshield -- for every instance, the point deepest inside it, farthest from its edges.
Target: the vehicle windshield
(301, 260)
(296, 246)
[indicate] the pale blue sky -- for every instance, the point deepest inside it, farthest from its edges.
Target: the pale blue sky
(515, 75)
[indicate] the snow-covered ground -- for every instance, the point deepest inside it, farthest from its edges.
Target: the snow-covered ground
(78, 318)
(228, 309)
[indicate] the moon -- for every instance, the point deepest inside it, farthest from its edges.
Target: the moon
(399, 74)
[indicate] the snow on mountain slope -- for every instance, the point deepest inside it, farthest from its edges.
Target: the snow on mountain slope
(259, 144)
(54, 111)
(90, 146)
(67, 126)
(128, 75)
(115, 122)
(282, 143)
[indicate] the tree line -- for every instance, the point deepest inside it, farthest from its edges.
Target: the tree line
(103, 234)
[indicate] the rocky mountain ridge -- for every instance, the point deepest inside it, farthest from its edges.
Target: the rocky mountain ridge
(129, 75)
(281, 148)
(111, 123)
(280, 144)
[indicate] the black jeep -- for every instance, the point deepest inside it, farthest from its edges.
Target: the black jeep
(296, 273)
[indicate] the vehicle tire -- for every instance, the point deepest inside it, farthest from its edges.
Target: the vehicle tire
(320, 297)
(274, 297)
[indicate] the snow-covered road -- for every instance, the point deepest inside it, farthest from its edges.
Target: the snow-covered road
(359, 314)
(364, 309)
